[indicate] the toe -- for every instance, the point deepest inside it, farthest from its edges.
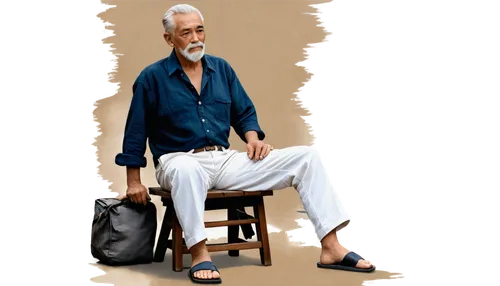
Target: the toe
(202, 274)
(363, 264)
(205, 274)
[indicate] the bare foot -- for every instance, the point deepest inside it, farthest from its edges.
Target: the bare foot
(330, 255)
(204, 274)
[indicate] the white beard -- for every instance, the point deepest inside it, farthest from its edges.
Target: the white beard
(195, 56)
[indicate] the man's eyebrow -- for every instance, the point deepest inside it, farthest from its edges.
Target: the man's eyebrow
(187, 29)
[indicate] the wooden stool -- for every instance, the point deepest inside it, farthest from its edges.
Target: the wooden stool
(234, 202)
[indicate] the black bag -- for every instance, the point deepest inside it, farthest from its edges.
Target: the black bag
(123, 233)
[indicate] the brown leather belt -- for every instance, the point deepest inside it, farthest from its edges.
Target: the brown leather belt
(209, 148)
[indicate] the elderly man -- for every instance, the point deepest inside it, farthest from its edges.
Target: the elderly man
(185, 105)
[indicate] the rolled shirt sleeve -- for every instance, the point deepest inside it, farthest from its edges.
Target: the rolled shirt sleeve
(135, 137)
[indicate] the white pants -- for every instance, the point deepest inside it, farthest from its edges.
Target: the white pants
(189, 176)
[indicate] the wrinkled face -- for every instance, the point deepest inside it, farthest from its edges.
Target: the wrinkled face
(188, 37)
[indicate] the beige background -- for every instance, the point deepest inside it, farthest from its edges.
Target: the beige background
(262, 40)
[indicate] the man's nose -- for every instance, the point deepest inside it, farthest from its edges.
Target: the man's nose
(195, 38)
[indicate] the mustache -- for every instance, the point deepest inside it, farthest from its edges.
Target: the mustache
(195, 45)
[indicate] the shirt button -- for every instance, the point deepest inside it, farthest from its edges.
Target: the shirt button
(199, 102)
(182, 74)
(203, 120)
(208, 130)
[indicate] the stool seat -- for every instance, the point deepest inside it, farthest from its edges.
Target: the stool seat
(213, 193)
(234, 201)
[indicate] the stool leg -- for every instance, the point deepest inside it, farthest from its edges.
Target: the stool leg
(177, 246)
(262, 234)
(233, 231)
(166, 227)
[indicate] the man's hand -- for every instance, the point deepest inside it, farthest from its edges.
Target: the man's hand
(258, 150)
(137, 193)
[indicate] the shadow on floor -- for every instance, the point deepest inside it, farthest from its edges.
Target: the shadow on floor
(164, 270)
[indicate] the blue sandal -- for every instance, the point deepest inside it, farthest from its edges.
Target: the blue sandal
(205, 265)
(348, 263)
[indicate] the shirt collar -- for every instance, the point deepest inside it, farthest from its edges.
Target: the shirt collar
(173, 65)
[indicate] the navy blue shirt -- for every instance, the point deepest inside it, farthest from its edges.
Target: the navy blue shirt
(167, 111)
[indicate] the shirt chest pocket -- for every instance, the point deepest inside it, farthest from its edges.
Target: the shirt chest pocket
(222, 107)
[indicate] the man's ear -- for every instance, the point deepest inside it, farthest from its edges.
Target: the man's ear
(168, 39)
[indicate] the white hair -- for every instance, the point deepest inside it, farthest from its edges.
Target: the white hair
(168, 17)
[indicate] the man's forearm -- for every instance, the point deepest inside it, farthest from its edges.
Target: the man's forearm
(133, 176)
(251, 136)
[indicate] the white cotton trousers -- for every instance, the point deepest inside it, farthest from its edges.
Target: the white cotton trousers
(190, 175)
